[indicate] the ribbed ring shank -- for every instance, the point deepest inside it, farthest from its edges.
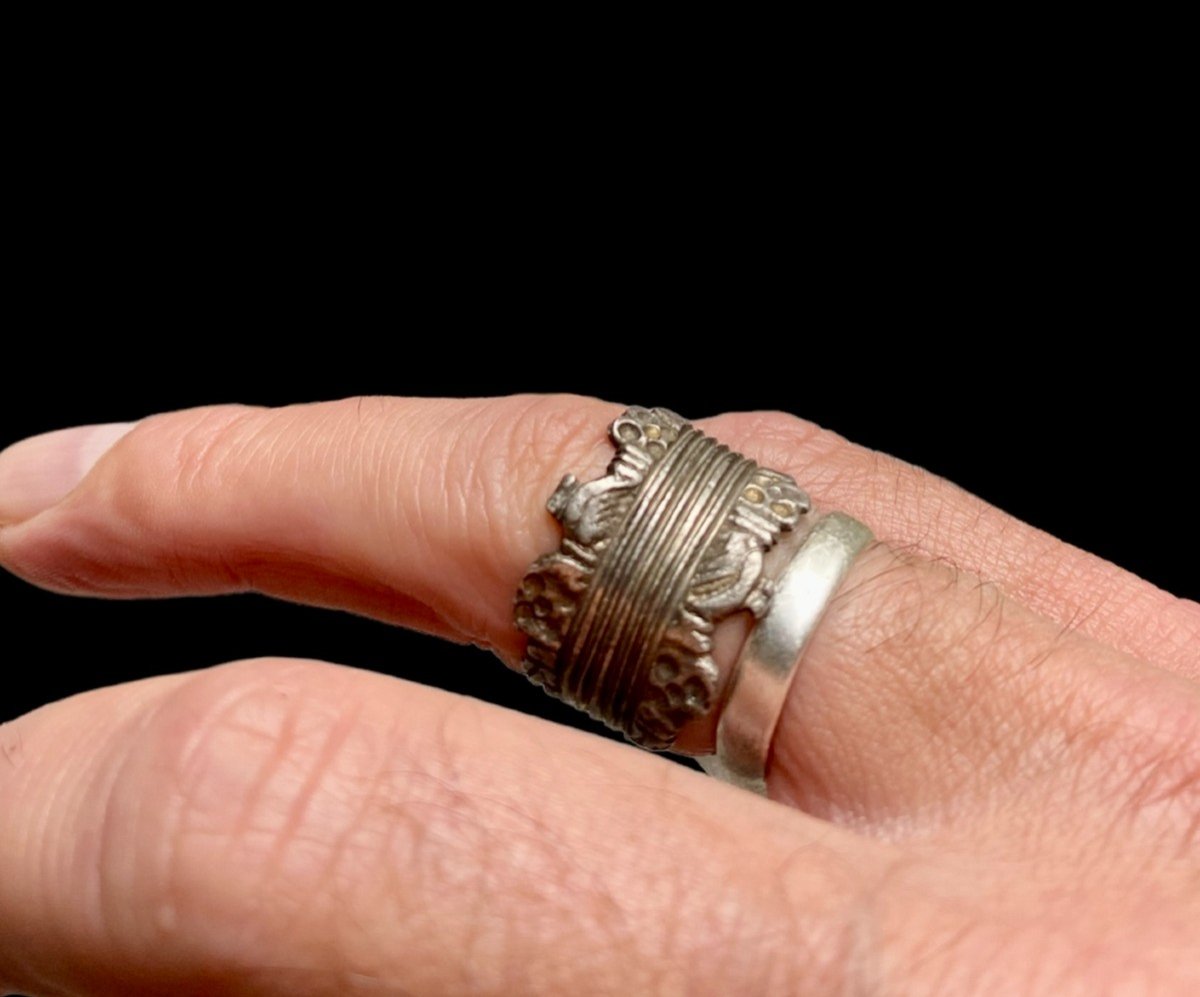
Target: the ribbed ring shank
(638, 583)
(620, 619)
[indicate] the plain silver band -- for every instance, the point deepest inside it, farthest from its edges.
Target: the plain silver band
(771, 654)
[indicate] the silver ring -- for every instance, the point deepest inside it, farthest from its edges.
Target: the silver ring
(674, 537)
(771, 655)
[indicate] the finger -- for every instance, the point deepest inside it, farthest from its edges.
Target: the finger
(413, 511)
(912, 510)
(427, 512)
(292, 827)
(928, 700)
(425, 501)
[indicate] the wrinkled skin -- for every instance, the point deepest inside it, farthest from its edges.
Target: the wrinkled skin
(986, 777)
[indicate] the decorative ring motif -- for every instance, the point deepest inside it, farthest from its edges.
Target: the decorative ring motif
(620, 619)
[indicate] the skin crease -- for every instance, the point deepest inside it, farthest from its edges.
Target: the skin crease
(986, 777)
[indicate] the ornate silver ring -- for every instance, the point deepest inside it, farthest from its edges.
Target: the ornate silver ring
(677, 535)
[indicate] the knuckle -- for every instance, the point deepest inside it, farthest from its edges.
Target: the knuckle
(772, 426)
(898, 498)
(1150, 758)
(293, 816)
(776, 440)
(175, 453)
(127, 503)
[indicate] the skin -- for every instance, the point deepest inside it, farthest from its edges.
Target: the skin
(986, 777)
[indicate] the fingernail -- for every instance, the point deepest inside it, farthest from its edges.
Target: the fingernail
(40, 471)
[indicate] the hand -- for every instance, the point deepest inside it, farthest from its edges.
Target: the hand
(978, 786)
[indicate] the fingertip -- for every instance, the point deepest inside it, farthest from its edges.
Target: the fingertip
(38, 472)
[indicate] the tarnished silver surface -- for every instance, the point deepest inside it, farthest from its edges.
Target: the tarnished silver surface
(620, 619)
(771, 654)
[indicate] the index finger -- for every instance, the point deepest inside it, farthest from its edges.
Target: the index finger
(428, 511)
